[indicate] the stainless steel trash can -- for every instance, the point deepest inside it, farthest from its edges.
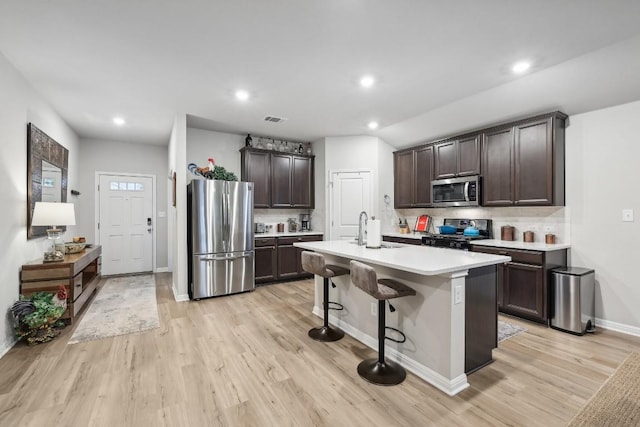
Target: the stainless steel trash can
(573, 299)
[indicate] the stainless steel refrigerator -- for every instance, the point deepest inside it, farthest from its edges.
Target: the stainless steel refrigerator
(220, 238)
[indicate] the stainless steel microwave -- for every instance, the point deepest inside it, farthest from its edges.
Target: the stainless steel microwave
(463, 191)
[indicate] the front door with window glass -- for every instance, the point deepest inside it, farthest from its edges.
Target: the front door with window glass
(126, 223)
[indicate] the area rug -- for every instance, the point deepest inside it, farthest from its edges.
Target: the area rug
(617, 403)
(507, 330)
(124, 305)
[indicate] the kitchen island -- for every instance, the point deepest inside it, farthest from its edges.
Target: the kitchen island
(433, 320)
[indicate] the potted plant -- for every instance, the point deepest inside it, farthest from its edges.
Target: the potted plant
(37, 317)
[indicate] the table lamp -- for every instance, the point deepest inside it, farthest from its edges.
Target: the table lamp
(53, 214)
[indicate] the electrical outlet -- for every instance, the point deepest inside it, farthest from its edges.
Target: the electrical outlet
(627, 215)
(457, 294)
(374, 309)
(549, 228)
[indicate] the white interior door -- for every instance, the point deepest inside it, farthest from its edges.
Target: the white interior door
(126, 223)
(350, 195)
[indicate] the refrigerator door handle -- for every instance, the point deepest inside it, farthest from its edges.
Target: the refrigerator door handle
(225, 257)
(225, 220)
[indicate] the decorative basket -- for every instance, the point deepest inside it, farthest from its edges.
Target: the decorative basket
(74, 248)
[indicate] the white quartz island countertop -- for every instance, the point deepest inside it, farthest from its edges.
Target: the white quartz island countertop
(423, 260)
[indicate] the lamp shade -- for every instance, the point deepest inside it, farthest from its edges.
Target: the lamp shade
(52, 214)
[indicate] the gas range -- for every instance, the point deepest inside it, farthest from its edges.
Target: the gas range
(458, 240)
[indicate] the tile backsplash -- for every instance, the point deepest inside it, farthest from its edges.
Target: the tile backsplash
(274, 216)
(540, 220)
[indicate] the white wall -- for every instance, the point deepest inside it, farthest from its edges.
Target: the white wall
(603, 149)
(364, 153)
(224, 148)
(111, 156)
(21, 105)
(178, 217)
(318, 215)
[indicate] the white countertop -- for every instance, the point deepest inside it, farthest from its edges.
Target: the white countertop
(422, 260)
(412, 235)
(534, 246)
(287, 234)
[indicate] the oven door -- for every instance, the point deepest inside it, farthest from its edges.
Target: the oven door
(456, 191)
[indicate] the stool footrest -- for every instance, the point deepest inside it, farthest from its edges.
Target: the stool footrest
(337, 306)
(401, 340)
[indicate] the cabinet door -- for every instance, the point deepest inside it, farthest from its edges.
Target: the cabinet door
(534, 163)
(287, 261)
(302, 183)
(446, 160)
(281, 166)
(403, 167)
(265, 263)
(497, 168)
(524, 292)
(256, 169)
(469, 156)
(423, 176)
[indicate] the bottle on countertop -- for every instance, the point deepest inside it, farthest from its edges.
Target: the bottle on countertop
(248, 140)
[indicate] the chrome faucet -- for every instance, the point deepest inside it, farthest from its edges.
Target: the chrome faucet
(361, 225)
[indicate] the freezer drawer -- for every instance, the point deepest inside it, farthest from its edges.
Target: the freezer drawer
(221, 274)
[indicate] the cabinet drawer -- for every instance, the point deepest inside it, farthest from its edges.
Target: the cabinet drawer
(292, 240)
(260, 242)
(517, 255)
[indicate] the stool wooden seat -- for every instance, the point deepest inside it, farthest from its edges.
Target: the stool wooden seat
(314, 263)
(380, 371)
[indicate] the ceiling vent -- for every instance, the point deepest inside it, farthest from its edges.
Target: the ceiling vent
(274, 119)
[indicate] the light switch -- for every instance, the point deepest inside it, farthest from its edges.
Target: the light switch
(627, 215)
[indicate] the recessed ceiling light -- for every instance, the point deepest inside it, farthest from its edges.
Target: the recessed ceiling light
(242, 95)
(520, 67)
(119, 121)
(367, 81)
(373, 125)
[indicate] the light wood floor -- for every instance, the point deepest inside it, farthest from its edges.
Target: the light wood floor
(246, 360)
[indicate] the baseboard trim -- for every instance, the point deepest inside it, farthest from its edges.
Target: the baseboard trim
(450, 387)
(6, 347)
(178, 297)
(618, 327)
(162, 270)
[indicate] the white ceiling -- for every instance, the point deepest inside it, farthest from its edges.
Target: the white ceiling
(440, 66)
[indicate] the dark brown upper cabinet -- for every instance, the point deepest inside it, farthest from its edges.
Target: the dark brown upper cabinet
(457, 157)
(523, 163)
(281, 180)
(413, 173)
(256, 168)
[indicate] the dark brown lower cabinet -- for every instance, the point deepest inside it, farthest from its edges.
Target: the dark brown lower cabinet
(288, 261)
(266, 257)
(524, 291)
(276, 258)
(524, 284)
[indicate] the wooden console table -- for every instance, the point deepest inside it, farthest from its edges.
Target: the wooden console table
(78, 273)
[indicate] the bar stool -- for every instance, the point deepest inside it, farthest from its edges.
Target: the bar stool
(380, 371)
(314, 263)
